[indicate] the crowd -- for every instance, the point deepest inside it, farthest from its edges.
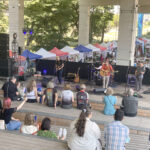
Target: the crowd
(85, 134)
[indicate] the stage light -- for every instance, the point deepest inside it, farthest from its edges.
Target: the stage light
(44, 72)
(31, 31)
(24, 31)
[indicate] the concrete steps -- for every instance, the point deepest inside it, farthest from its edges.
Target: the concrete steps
(63, 117)
(16, 141)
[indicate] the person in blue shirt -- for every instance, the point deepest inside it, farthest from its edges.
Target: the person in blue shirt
(109, 101)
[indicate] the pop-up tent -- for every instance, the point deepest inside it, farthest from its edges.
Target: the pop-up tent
(82, 49)
(86, 54)
(96, 52)
(58, 52)
(45, 54)
(73, 54)
(32, 56)
(93, 48)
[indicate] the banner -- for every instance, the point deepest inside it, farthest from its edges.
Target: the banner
(140, 25)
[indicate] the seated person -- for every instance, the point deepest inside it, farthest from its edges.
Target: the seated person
(82, 98)
(31, 92)
(50, 95)
(67, 97)
(10, 89)
(109, 101)
(85, 134)
(130, 104)
(21, 90)
(45, 129)
(11, 122)
(30, 126)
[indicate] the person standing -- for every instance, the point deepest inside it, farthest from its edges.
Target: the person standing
(59, 69)
(105, 72)
(10, 89)
(140, 70)
(116, 134)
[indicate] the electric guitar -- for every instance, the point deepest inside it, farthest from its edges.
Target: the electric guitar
(77, 78)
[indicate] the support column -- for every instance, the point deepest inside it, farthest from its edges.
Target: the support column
(16, 21)
(84, 19)
(127, 32)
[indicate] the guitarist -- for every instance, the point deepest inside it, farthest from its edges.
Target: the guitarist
(59, 69)
(106, 70)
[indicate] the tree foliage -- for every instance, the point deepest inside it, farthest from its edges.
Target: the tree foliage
(99, 21)
(53, 21)
(4, 18)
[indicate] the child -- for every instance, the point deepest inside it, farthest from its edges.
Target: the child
(30, 126)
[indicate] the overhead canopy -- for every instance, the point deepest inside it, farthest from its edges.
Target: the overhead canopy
(28, 54)
(58, 52)
(102, 48)
(45, 54)
(82, 49)
(70, 50)
(93, 48)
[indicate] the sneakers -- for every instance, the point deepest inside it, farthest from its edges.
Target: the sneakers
(62, 134)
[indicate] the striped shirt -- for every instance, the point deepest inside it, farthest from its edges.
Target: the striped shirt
(116, 135)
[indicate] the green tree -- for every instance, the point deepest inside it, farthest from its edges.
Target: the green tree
(99, 21)
(52, 22)
(4, 18)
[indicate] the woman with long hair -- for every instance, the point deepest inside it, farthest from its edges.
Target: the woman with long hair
(85, 134)
(31, 92)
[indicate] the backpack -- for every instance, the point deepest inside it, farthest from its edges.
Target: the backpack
(81, 100)
(49, 97)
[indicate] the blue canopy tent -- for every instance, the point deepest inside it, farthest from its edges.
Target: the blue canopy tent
(28, 54)
(82, 49)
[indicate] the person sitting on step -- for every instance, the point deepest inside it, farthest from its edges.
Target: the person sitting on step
(50, 95)
(130, 104)
(85, 134)
(30, 125)
(67, 97)
(45, 129)
(82, 98)
(109, 101)
(31, 92)
(11, 122)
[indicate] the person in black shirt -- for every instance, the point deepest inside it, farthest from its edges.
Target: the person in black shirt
(59, 68)
(7, 112)
(10, 89)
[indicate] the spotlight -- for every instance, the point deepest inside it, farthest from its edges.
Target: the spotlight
(44, 72)
(24, 31)
(31, 31)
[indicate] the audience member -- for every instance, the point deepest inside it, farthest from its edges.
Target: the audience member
(67, 97)
(116, 134)
(50, 95)
(11, 122)
(30, 126)
(82, 98)
(130, 104)
(21, 90)
(85, 134)
(109, 101)
(45, 129)
(31, 92)
(10, 89)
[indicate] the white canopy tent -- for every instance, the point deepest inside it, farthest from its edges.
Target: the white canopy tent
(45, 54)
(73, 54)
(93, 48)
